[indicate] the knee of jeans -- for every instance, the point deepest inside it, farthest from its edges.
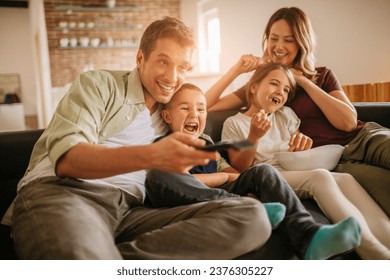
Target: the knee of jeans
(267, 173)
(264, 169)
(154, 175)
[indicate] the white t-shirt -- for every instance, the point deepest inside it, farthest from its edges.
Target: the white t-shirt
(147, 129)
(284, 123)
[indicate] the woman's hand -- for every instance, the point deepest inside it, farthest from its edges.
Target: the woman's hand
(298, 76)
(299, 142)
(335, 105)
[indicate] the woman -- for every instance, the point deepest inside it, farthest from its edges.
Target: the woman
(327, 116)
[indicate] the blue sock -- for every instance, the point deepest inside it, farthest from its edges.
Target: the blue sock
(276, 212)
(331, 240)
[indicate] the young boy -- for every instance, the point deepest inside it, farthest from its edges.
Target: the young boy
(186, 113)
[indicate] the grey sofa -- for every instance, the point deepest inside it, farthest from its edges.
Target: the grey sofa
(16, 147)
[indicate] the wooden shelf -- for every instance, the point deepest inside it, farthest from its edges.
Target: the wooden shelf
(99, 47)
(98, 8)
(128, 27)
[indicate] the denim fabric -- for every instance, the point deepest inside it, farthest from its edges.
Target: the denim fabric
(264, 181)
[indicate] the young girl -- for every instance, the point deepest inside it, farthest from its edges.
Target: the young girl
(273, 128)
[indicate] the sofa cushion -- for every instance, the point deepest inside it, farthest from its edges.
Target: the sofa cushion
(326, 157)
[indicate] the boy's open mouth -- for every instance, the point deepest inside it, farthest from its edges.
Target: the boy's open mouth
(191, 127)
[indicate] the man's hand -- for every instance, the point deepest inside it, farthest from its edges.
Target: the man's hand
(177, 153)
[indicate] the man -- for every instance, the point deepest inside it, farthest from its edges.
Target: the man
(82, 195)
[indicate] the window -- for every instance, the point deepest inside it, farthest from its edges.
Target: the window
(209, 37)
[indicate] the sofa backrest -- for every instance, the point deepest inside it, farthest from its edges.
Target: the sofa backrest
(378, 112)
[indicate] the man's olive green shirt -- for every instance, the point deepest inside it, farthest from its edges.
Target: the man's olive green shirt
(98, 105)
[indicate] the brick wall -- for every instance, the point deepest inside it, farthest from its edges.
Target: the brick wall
(67, 63)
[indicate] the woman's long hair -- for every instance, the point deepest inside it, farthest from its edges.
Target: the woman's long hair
(304, 35)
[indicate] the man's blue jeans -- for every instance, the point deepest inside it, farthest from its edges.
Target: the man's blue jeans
(264, 181)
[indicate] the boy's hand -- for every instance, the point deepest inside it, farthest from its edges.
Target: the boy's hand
(177, 153)
(260, 124)
(300, 142)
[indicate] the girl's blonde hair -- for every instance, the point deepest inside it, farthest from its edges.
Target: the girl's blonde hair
(262, 72)
(304, 35)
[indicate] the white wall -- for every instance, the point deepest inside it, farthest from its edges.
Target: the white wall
(16, 53)
(40, 46)
(353, 35)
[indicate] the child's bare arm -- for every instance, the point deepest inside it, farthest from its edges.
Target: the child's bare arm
(213, 180)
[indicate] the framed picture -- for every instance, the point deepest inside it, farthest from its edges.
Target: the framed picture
(10, 88)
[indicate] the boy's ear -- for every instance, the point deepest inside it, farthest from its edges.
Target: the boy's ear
(166, 116)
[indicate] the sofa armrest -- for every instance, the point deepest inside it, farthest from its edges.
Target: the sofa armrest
(15, 151)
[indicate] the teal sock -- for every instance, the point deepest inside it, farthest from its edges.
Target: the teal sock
(331, 240)
(276, 212)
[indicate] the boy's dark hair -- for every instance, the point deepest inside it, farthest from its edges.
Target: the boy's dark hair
(184, 87)
(167, 27)
(190, 87)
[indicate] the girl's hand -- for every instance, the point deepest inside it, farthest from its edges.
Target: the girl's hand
(260, 124)
(299, 142)
(248, 63)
